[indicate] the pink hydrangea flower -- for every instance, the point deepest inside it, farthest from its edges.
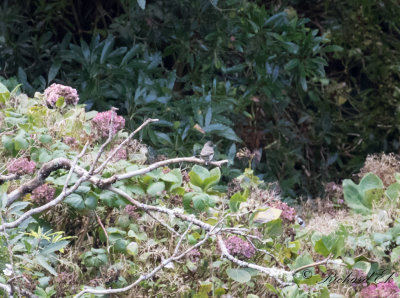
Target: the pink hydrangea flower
(194, 255)
(21, 166)
(55, 91)
(120, 154)
(43, 194)
(70, 141)
(288, 213)
(238, 247)
(101, 123)
(382, 289)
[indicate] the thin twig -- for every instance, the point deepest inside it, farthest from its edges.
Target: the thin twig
(325, 261)
(264, 251)
(163, 223)
(104, 230)
(276, 273)
(71, 170)
(104, 164)
(164, 263)
(103, 146)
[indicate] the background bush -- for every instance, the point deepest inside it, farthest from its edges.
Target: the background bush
(269, 77)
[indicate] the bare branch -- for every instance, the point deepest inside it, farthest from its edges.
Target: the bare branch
(162, 223)
(5, 178)
(104, 164)
(275, 273)
(164, 263)
(325, 261)
(60, 197)
(71, 170)
(181, 239)
(103, 146)
(43, 173)
(159, 164)
(264, 251)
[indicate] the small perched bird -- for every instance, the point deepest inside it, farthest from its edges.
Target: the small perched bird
(207, 153)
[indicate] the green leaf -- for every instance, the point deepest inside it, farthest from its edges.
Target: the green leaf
(291, 64)
(354, 197)
(60, 102)
(8, 142)
(109, 43)
(370, 181)
(44, 156)
(267, 215)
(200, 202)
(393, 191)
(395, 255)
(142, 4)
(132, 248)
(236, 200)
(380, 238)
(174, 176)
(239, 275)
(120, 245)
(41, 260)
(132, 52)
(20, 141)
(45, 139)
(53, 71)
(197, 175)
(213, 179)
(53, 247)
(74, 200)
(303, 83)
(156, 188)
(223, 131)
(91, 202)
(4, 93)
(321, 248)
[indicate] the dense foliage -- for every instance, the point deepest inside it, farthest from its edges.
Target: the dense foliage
(237, 72)
(310, 89)
(107, 235)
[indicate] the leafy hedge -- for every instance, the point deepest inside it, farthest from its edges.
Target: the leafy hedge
(229, 71)
(109, 226)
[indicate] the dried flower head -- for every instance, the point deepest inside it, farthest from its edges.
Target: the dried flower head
(131, 211)
(244, 153)
(288, 213)
(382, 165)
(43, 194)
(359, 279)
(120, 154)
(21, 166)
(194, 255)
(238, 247)
(101, 123)
(55, 91)
(70, 141)
(382, 289)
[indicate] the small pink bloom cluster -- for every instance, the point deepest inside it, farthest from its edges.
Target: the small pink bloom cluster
(55, 91)
(382, 289)
(239, 247)
(359, 279)
(70, 141)
(43, 194)
(101, 123)
(131, 210)
(194, 255)
(120, 154)
(21, 166)
(288, 213)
